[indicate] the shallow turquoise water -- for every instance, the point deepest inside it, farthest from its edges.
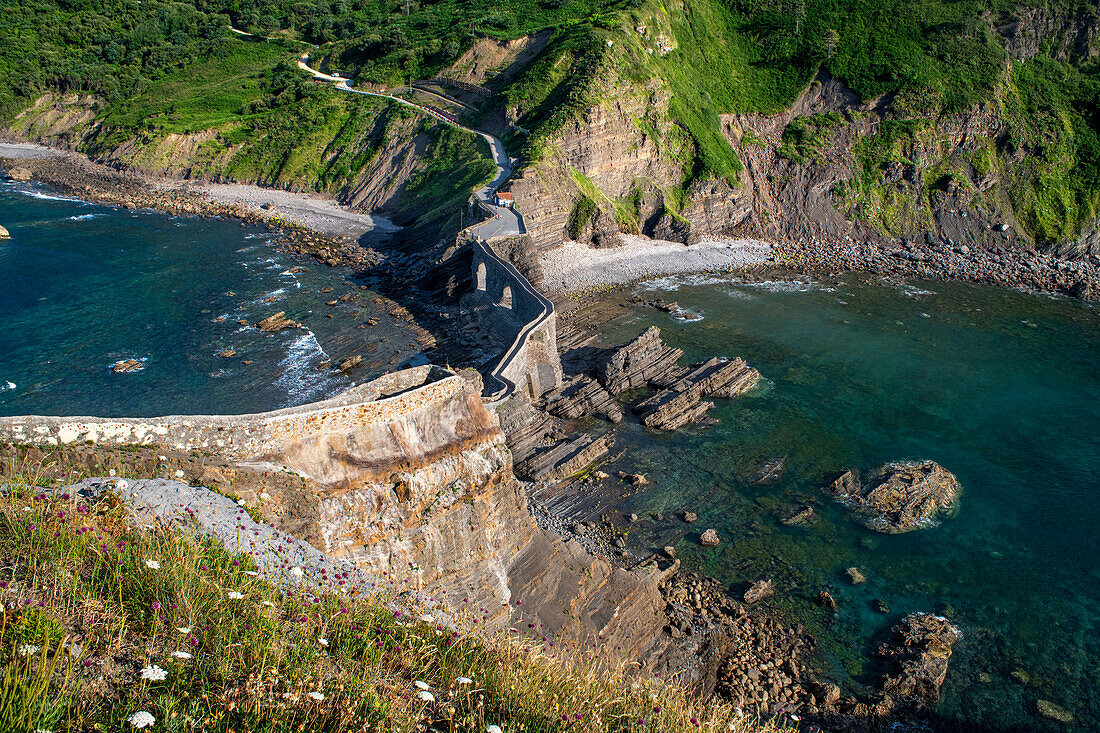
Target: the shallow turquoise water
(83, 286)
(998, 386)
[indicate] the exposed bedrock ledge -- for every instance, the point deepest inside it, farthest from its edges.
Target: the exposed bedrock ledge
(409, 476)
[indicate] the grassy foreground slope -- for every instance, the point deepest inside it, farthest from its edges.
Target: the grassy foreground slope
(103, 620)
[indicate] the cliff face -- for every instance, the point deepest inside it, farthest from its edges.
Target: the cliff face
(832, 166)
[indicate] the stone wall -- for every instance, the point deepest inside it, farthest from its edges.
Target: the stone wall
(530, 365)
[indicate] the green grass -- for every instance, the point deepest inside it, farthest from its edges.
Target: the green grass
(804, 138)
(94, 604)
(208, 94)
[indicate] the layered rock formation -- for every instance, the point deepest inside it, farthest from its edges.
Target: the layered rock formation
(582, 396)
(901, 497)
(644, 360)
(681, 402)
(916, 658)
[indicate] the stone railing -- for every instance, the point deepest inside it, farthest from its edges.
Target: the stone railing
(252, 436)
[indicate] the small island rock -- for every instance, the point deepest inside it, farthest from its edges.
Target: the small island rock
(710, 539)
(901, 497)
(760, 590)
(277, 322)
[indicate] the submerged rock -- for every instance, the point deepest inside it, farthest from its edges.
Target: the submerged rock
(350, 363)
(800, 515)
(277, 322)
(901, 497)
(856, 576)
(1049, 710)
(710, 539)
(760, 590)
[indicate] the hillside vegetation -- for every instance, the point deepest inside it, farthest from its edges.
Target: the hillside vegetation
(163, 68)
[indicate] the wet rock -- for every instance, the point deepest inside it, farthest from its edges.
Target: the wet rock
(690, 517)
(350, 363)
(901, 497)
(760, 590)
(880, 606)
(242, 322)
(277, 322)
(638, 363)
(856, 576)
(634, 479)
(826, 600)
(4, 234)
(227, 353)
(800, 515)
(826, 693)
(582, 396)
(710, 539)
(670, 552)
(681, 401)
(632, 518)
(20, 175)
(916, 657)
(126, 365)
(771, 471)
(1021, 676)
(1049, 710)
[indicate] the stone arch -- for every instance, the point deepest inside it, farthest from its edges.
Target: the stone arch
(481, 276)
(506, 296)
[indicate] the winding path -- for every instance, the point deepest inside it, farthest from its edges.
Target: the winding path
(503, 221)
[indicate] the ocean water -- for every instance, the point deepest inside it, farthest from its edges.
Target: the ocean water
(83, 286)
(1000, 387)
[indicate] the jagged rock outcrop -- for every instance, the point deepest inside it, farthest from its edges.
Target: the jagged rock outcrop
(277, 322)
(916, 658)
(567, 458)
(681, 402)
(640, 362)
(527, 427)
(582, 396)
(901, 497)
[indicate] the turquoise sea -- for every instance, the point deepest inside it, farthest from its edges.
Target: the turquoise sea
(1000, 387)
(83, 286)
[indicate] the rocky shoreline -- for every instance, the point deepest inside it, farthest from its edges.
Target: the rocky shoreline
(74, 175)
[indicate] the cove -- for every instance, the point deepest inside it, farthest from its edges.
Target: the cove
(998, 386)
(86, 285)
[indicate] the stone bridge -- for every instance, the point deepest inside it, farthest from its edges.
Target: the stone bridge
(530, 365)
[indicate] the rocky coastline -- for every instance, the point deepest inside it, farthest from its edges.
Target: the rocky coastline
(744, 653)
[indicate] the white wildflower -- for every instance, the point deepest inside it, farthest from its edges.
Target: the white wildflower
(27, 509)
(422, 685)
(253, 573)
(493, 729)
(154, 673)
(120, 484)
(152, 564)
(322, 641)
(141, 719)
(42, 730)
(318, 696)
(427, 618)
(241, 502)
(235, 595)
(297, 572)
(269, 604)
(183, 629)
(181, 655)
(179, 473)
(464, 680)
(25, 650)
(425, 696)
